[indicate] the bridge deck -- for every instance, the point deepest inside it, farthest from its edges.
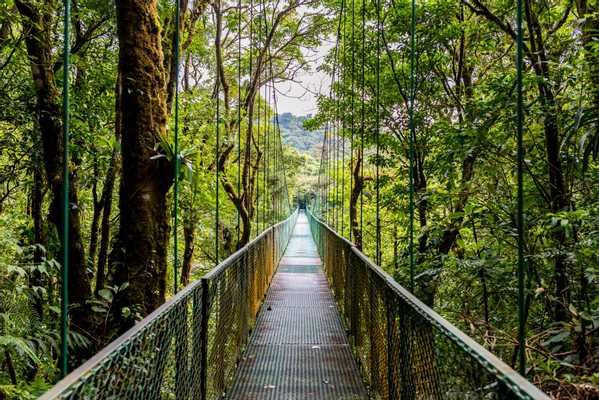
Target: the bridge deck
(298, 349)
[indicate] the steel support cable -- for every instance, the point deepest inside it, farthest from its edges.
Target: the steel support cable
(267, 206)
(248, 195)
(336, 119)
(274, 172)
(278, 138)
(64, 305)
(258, 123)
(520, 131)
(279, 172)
(362, 122)
(379, 259)
(334, 164)
(342, 95)
(266, 157)
(412, 137)
(217, 164)
(318, 197)
(332, 169)
(320, 177)
(176, 155)
(261, 135)
(352, 121)
(239, 116)
(325, 173)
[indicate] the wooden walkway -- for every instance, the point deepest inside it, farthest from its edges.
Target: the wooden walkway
(298, 349)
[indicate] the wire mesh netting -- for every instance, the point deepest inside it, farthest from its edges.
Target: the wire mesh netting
(403, 348)
(189, 347)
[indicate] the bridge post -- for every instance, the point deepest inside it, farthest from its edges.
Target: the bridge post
(392, 350)
(406, 324)
(182, 387)
(205, 314)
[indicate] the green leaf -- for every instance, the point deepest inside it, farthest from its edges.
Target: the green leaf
(106, 294)
(20, 346)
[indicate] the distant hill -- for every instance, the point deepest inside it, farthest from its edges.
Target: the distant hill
(294, 134)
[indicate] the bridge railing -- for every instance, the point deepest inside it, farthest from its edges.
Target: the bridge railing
(404, 349)
(189, 347)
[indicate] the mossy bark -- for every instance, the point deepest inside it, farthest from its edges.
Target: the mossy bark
(140, 255)
(37, 22)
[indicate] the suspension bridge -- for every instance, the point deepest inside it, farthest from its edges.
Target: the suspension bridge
(299, 312)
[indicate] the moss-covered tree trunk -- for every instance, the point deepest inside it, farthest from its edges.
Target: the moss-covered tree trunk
(37, 22)
(140, 254)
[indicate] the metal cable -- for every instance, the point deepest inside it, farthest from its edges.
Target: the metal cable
(176, 155)
(412, 137)
(217, 165)
(64, 306)
(351, 142)
(342, 91)
(239, 117)
(379, 259)
(362, 122)
(520, 211)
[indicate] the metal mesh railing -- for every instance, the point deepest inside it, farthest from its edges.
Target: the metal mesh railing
(189, 347)
(404, 349)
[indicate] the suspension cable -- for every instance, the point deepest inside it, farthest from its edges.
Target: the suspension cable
(352, 121)
(278, 138)
(239, 117)
(259, 122)
(217, 162)
(176, 155)
(267, 159)
(342, 95)
(325, 173)
(362, 122)
(64, 305)
(250, 117)
(266, 163)
(336, 124)
(379, 258)
(412, 137)
(520, 132)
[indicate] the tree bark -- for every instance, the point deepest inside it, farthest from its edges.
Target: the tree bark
(557, 189)
(358, 185)
(96, 214)
(559, 198)
(146, 176)
(37, 22)
(39, 237)
(107, 191)
(189, 238)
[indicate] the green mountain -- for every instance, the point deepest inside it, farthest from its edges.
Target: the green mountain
(295, 135)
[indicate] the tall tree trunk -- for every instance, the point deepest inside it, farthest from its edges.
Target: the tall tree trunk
(108, 189)
(189, 238)
(106, 200)
(358, 185)
(96, 214)
(39, 238)
(37, 22)
(141, 253)
(587, 13)
(558, 200)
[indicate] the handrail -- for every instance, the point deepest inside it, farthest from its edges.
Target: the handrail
(189, 318)
(422, 319)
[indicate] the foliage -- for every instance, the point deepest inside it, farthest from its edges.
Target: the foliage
(465, 169)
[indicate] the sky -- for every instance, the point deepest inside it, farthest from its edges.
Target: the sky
(299, 98)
